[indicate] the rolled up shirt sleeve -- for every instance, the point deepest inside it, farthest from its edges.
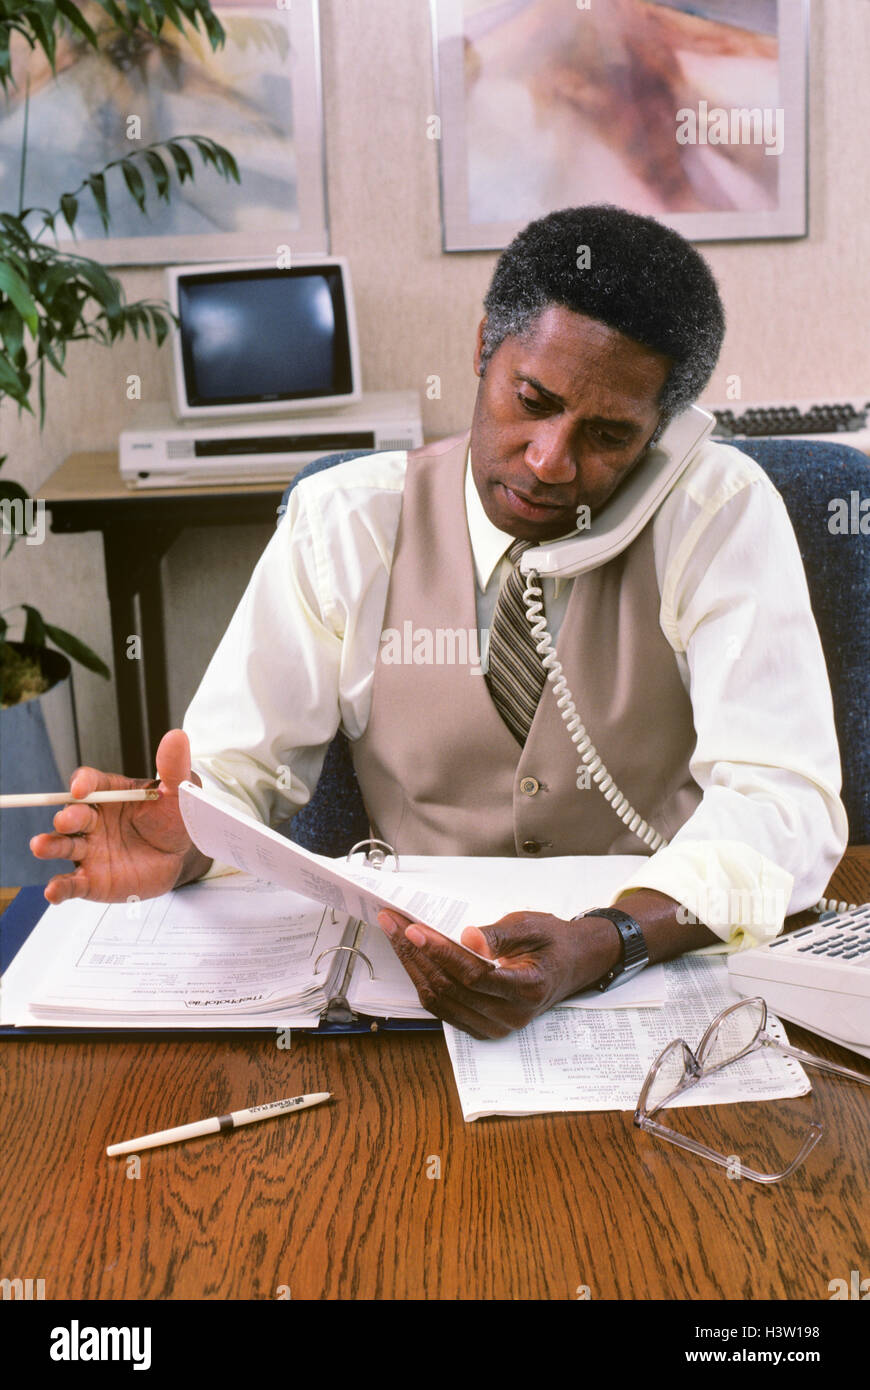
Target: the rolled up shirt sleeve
(297, 660)
(770, 827)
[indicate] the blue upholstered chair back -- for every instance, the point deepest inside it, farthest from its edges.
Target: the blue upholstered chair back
(808, 475)
(335, 817)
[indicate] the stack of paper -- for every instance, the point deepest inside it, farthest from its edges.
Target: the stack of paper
(567, 1060)
(234, 952)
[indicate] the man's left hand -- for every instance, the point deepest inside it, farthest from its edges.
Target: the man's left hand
(541, 960)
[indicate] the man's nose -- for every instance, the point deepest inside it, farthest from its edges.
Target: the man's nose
(549, 454)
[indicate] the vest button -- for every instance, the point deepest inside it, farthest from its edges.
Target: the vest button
(531, 847)
(529, 786)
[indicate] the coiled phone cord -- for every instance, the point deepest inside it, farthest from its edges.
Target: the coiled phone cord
(590, 761)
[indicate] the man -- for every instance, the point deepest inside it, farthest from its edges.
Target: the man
(693, 656)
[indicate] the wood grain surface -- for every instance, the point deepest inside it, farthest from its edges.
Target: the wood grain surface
(337, 1202)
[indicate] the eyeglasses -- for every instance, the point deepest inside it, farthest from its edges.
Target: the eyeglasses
(737, 1031)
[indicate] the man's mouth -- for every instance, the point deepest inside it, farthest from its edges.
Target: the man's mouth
(531, 508)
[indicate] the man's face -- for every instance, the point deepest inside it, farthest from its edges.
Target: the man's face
(562, 415)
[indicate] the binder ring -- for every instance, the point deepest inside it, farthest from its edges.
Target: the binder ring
(354, 950)
(377, 855)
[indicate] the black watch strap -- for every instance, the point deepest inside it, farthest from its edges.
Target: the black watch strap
(635, 955)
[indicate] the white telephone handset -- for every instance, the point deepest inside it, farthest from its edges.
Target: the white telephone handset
(626, 513)
(618, 523)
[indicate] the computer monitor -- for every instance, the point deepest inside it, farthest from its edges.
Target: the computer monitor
(254, 339)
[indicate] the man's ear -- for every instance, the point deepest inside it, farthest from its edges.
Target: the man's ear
(478, 348)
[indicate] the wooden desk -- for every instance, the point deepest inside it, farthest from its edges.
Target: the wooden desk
(336, 1203)
(138, 527)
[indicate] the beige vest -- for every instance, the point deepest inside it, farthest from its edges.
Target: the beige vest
(440, 772)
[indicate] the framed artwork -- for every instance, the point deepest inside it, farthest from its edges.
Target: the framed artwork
(690, 111)
(259, 96)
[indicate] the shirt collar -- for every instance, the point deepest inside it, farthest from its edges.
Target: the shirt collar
(489, 545)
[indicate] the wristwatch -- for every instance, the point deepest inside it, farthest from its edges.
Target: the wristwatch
(634, 952)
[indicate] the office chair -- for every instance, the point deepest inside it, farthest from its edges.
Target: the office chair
(808, 475)
(335, 817)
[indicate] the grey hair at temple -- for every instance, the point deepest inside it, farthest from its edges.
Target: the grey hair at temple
(642, 278)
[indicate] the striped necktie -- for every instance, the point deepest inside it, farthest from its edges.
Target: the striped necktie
(515, 676)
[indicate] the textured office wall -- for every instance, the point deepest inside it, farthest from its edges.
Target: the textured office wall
(799, 313)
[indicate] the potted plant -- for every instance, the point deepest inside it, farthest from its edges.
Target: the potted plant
(51, 297)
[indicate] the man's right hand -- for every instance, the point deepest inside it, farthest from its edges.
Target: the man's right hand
(126, 848)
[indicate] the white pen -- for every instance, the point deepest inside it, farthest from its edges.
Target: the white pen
(10, 799)
(217, 1123)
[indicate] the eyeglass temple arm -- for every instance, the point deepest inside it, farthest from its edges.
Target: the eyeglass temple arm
(814, 1134)
(812, 1060)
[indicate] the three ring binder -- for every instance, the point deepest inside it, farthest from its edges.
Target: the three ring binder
(376, 852)
(377, 856)
(338, 1010)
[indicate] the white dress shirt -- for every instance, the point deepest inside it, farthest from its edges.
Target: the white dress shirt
(298, 659)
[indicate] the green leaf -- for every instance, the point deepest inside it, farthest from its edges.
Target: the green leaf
(183, 162)
(69, 206)
(46, 347)
(34, 629)
(97, 184)
(161, 323)
(160, 173)
(77, 650)
(15, 384)
(151, 16)
(214, 29)
(135, 182)
(58, 273)
(12, 285)
(15, 230)
(215, 155)
(173, 15)
(43, 28)
(105, 289)
(114, 13)
(11, 331)
(77, 20)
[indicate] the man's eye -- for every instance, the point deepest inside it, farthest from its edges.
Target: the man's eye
(531, 403)
(613, 441)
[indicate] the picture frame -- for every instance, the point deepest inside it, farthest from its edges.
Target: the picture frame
(544, 104)
(260, 96)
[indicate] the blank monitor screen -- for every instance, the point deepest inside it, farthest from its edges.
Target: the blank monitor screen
(264, 335)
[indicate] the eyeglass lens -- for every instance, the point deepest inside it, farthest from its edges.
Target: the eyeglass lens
(669, 1078)
(733, 1035)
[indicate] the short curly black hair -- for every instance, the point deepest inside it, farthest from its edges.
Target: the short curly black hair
(642, 279)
